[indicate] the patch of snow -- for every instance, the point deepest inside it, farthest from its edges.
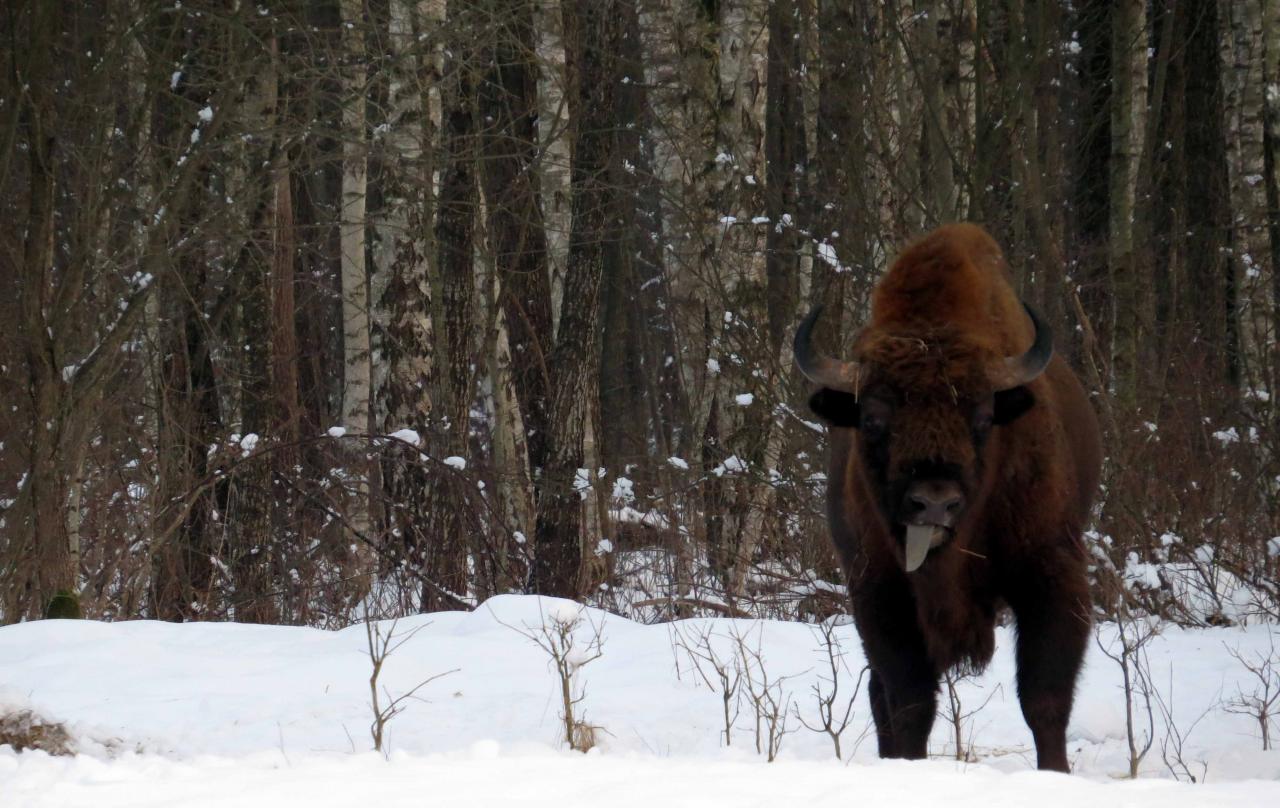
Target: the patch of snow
(565, 612)
(410, 436)
(828, 254)
(731, 465)
(629, 515)
(624, 490)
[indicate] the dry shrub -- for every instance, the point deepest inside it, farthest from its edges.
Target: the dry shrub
(26, 729)
(1188, 509)
(584, 736)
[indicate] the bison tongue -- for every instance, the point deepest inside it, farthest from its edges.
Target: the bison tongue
(920, 539)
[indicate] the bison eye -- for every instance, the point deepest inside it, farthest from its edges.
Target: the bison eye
(983, 418)
(874, 424)
(874, 427)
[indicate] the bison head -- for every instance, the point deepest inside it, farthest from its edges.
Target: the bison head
(924, 403)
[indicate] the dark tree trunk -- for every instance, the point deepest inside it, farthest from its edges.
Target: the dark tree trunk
(640, 393)
(591, 35)
(1211, 299)
(445, 553)
(517, 234)
(786, 158)
(843, 216)
(1087, 236)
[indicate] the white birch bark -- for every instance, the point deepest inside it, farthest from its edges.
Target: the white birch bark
(510, 457)
(1244, 85)
(1271, 117)
(553, 131)
(357, 369)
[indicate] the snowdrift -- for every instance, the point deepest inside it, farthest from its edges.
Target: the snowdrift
(233, 714)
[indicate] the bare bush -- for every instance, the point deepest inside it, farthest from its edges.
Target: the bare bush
(385, 707)
(557, 636)
(725, 677)
(1128, 649)
(768, 697)
(1173, 742)
(1262, 703)
(955, 714)
(834, 710)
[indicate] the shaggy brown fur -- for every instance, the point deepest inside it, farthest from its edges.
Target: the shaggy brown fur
(941, 315)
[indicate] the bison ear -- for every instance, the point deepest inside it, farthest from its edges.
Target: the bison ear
(835, 407)
(1012, 403)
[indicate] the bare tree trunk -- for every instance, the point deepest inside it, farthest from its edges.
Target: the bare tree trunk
(1129, 71)
(1213, 299)
(1034, 70)
(591, 49)
(991, 178)
(636, 327)
(1089, 167)
(49, 563)
(1271, 168)
(357, 416)
(515, 499)
(844, 268)
(255, 548)
(1245, 111)
(446, 553)
(785, 155)
(517, 235)
(937, 75)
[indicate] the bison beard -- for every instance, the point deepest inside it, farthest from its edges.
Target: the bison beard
(964, 458)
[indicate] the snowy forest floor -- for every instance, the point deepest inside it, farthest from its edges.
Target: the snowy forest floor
(229, 714)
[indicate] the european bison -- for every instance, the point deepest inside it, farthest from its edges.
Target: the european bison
(964, 458)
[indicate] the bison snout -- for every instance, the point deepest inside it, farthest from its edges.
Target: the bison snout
(933, 503)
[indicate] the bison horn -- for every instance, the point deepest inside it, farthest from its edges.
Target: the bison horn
(822, 370)
(1019, 370)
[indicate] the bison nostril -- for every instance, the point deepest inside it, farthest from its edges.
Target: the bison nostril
(932, 504)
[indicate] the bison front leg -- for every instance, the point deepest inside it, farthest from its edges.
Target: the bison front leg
(1053, 632)
(904, 713)
(903, 688)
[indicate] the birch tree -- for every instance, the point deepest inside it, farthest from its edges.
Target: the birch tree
(357, 348)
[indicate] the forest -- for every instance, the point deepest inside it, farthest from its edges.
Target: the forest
(321, 310)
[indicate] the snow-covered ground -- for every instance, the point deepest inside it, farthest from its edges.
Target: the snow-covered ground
(226, 714)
